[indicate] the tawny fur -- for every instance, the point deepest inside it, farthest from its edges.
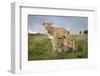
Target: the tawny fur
(59, 37)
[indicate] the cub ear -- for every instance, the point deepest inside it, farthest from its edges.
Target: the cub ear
(63, 36)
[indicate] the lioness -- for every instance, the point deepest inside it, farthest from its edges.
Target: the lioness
(55, 33)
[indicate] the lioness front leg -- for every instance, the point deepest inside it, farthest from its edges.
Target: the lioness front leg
(54, 45)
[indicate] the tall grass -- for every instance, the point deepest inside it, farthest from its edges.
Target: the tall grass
(40, 48)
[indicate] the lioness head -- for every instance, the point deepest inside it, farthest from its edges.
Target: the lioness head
(48, 26)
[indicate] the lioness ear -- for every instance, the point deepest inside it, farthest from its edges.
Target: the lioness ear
(43, 23)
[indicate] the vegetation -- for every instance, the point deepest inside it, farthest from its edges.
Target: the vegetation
(85, 32)
(40, 48)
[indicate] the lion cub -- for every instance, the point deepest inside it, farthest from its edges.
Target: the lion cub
(69, 45)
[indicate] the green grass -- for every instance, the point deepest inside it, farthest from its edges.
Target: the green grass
(40, 48)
